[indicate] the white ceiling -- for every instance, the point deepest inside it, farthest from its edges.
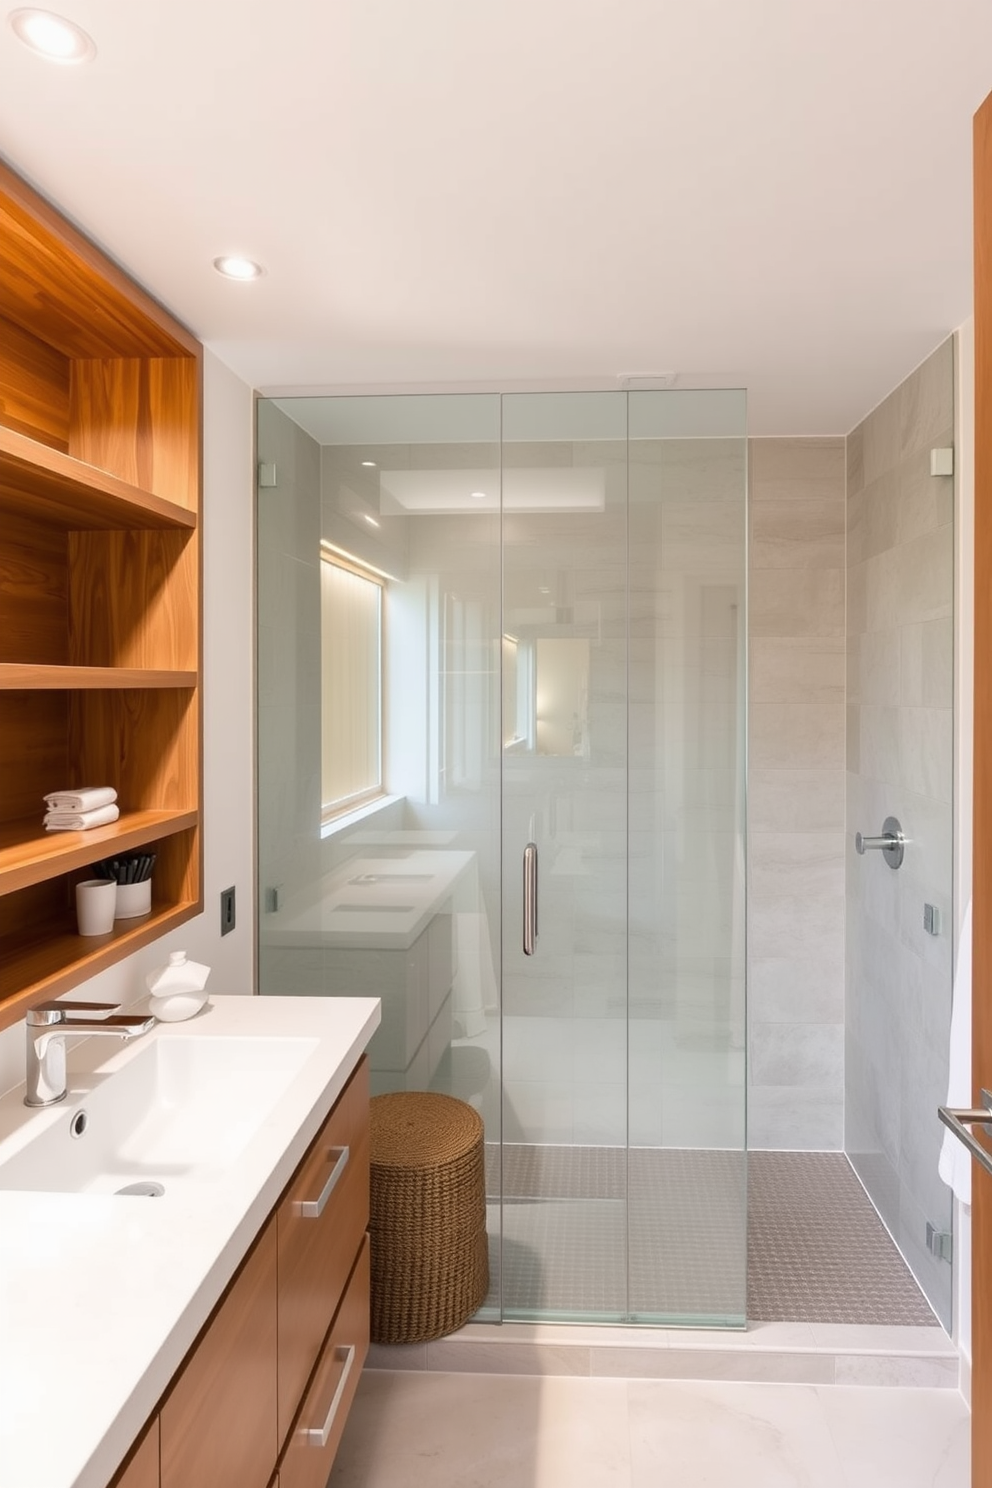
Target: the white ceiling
(770, 193)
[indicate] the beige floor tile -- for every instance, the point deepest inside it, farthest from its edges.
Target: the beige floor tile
(750, 1435)
(900, 1438)
(484, 1431)
(409, 1429)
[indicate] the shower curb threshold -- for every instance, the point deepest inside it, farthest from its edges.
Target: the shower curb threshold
(780, 1353)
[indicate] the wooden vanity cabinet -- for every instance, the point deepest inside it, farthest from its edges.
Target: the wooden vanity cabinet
(312, 1445)
(219, 1420)
(141, 1469)
(268, 1384)
(317, 1250)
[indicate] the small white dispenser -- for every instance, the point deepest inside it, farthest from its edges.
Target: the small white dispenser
(177, 989)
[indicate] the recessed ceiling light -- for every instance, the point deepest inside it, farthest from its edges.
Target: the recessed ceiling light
(543, 590)
(371, 520)
(369, 464)
(232, 266)
(478, 495)
(51, 36)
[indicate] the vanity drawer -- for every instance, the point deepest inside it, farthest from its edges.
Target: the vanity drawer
(322, 1218)
(317, 1433)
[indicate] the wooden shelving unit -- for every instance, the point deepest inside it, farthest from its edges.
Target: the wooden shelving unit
(36, 480)
(100, 593)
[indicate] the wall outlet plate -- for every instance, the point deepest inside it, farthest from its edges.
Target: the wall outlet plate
(227, 911)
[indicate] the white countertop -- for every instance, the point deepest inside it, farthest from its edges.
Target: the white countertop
(102, 1297)
(381, 902)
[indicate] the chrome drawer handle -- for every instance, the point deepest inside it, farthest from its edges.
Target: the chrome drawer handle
(317, 1436)
(314, 1208)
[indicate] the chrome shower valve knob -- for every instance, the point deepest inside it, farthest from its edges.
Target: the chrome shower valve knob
(891, 844)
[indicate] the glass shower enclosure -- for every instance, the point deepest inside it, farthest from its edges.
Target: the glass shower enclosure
(528, 839)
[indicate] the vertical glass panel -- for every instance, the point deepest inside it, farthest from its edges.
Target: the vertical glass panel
(565, 789)
(399, 897)
(686, 907)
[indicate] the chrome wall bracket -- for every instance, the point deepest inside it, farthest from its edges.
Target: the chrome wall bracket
(891, 844)
(940, 1243)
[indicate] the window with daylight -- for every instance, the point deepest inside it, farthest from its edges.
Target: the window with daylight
(351, 686)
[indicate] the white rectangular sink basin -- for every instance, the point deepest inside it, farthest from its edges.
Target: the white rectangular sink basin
(181, 1109)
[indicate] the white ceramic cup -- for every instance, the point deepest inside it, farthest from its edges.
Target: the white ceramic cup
(133, 899)
(96, 905)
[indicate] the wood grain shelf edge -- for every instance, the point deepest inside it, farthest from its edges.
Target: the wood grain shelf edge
(83, 494)
(26, 677)
(29, 855)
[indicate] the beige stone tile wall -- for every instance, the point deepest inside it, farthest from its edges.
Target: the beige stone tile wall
(796, 793)
(900, 762)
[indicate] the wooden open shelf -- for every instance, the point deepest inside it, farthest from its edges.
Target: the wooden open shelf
(36, 480)
(100, 593)
(36, 966)
(30, 855)
(18, 676)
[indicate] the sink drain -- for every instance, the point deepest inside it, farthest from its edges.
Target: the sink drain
(145, 1190)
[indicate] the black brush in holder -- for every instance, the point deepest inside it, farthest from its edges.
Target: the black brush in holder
(132, 873)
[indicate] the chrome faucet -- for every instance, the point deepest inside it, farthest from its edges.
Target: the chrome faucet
(47, 1026)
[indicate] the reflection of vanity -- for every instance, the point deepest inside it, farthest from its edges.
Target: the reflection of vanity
(380, 926)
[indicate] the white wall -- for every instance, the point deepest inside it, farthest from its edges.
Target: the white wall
(227, 722)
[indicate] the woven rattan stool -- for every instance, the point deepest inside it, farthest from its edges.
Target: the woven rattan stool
(427, 1224)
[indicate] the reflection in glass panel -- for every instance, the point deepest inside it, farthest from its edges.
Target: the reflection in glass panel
(397, 897)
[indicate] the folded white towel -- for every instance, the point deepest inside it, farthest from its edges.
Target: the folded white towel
(80, 821)
(89, 798)
(954, 1165)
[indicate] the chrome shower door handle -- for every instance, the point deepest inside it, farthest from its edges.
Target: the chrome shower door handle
(530, 898)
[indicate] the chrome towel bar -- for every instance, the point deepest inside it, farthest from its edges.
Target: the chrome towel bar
(959, 1121)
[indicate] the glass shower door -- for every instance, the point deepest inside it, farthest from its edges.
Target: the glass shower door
(564, 643)
(623, 1193)
(548, 592)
